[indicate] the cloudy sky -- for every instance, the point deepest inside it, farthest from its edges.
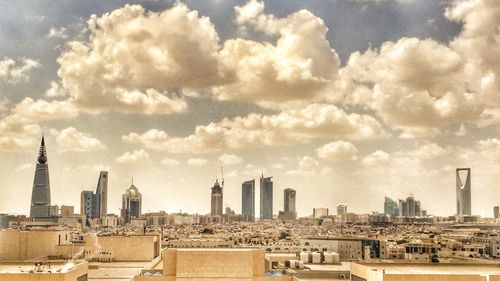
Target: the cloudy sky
(342, 100)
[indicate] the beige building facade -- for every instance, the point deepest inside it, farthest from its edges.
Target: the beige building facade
(122, 248)
(424, 272)
(213, 265)
(28, 245)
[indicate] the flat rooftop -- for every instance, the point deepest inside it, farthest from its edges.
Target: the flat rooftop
(214, 249)
(115, 271)
(26, 267)
(415, 268)
(343, 266)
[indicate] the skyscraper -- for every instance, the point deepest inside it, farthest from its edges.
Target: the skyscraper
(40, 195)
(131, 203)
(266, 198)
(102, 194)
(289, 200)
(216, 199)
(496, 212)
(464, 192)
(410, 207)
(289, 212)
(391, 207)
(95, 205)
(248, 200)
(341, 209)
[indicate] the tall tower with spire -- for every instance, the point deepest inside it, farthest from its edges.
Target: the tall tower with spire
(40, 195)
(216, 199)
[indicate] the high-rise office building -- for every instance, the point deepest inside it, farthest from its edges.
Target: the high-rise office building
(40, 195)
(131, 204)
(248, 200)
(341, 209)
(289, 212)
(216, 199)
(289, 200)
(320, 212)
(410, 207)
(391, 207)
(266, 198)
(464, 192)
(496, 212)
(95, 205)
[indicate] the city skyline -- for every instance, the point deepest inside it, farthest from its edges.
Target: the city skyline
(357, 100)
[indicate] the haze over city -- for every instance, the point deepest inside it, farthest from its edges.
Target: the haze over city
(343, 101)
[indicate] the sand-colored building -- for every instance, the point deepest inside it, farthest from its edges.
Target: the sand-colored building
(122, 248)
(27, 245)
(424, 272)
(213, 265)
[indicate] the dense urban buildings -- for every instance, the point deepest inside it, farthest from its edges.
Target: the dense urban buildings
(40, 196)
(216, 199)
(248, 200)
(463, 192)
(95, 205)
(266, 198)
(131, 204)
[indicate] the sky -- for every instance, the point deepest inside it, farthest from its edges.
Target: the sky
(345, 101)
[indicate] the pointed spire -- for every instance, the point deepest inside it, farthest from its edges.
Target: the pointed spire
(42, 154)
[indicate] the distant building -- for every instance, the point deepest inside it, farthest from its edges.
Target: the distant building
(391, 207)
(216, 199)
(95, 205)
(131, 204)
(464, 192)
(320, 212)
(248, 200)
(410, 207)
(496, 212)
(341, 209)
(230, 212)
(67, 211)
(40, 195)
(289, 213)
(289, 200)
(266, 198)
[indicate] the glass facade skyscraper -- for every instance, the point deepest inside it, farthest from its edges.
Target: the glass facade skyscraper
(266, 198)
(248, 200)
(95, 205)
(131, 204)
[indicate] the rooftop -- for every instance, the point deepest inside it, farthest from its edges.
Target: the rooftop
(415, 268)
